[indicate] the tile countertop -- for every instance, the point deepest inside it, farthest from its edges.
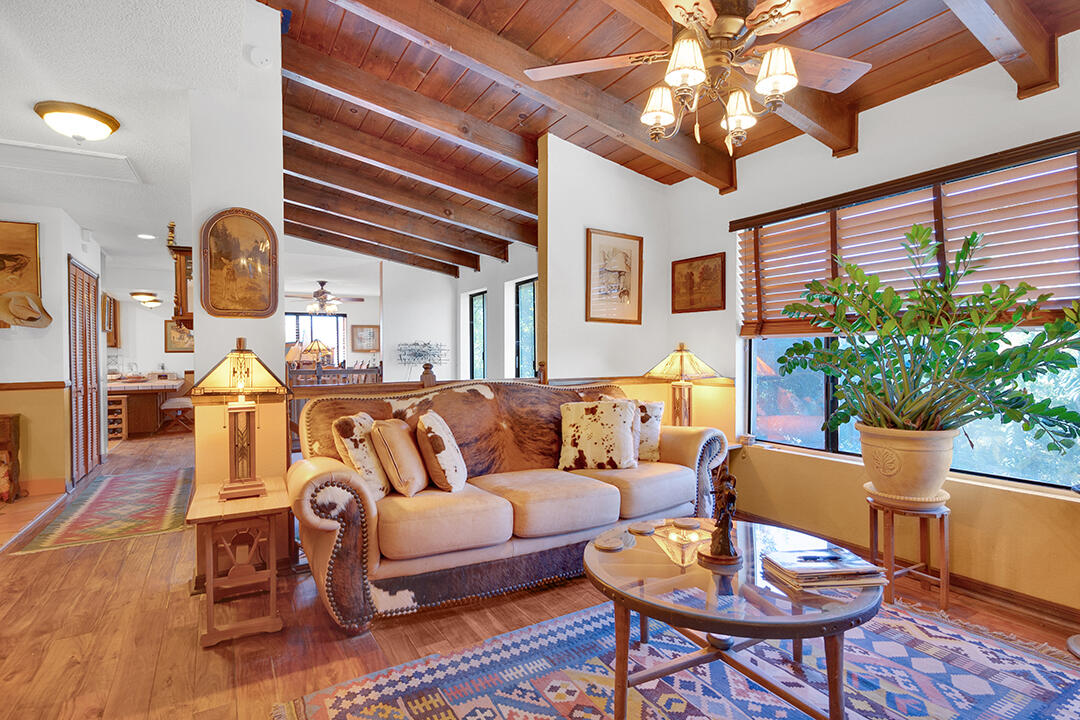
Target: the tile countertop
(161, 385)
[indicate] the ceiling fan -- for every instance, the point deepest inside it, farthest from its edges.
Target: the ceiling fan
(711, 40)
(322, 300)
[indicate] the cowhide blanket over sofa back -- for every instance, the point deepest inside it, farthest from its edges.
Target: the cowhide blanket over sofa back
(500, 425)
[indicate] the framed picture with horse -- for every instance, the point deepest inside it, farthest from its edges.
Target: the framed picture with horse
(238, 268)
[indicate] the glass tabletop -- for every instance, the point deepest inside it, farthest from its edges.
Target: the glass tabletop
(740, 599)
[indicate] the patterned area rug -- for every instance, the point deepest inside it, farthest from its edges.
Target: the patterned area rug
(119, 506)
(898, 665)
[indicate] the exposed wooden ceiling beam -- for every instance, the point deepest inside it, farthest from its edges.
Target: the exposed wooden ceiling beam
(1013, 35)
(333, 171)
(820, 115)
(649, 14)
(309, 67)
(329, 135)
(311, 217)
(457, 38)
(338, 202)
(344, 242)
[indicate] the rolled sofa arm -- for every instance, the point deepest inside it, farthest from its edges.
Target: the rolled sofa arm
(339, 534)
(699, 448)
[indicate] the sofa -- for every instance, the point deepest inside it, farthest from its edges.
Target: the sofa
(519, 522)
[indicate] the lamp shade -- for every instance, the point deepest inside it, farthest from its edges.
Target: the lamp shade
(740, 116)
(777, 74)
(682, 365)
(318, 347)
(659, 110)
(686, 68)
(241, 372)
(293, 354)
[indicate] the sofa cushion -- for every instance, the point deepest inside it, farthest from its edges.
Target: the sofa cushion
(440, 452)
(550, 502)
(352, 437)
(598, 434)
(646, 426)
(433, 521)
(395, 444)
(650, 487)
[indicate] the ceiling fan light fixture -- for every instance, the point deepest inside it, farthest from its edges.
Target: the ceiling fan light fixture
(659, 111)
(777, 73)
(686, 68)
(78, 122)
(740, 116)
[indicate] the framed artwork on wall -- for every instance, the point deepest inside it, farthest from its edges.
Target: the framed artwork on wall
(238, 272)
(178, 339)
(20, 276)
(365, 338)
(698, 283)
(613, 275)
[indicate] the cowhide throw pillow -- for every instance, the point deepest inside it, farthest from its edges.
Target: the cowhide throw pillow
(440, 451)
(395, 444)
(646, 426)
(597, 435)
(352, 438)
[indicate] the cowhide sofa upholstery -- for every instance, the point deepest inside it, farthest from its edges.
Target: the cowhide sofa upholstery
(519, 521)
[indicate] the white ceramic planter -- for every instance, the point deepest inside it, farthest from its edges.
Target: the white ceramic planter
(907, 463)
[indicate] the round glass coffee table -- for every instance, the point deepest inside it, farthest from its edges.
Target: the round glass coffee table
(725, 610)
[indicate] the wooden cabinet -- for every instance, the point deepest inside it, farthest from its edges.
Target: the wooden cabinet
(9, 457)
(83, 362)
(110, 320)
(117, 417)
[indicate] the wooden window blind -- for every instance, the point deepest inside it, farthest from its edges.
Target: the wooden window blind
(1028, 214)
(1028, 217)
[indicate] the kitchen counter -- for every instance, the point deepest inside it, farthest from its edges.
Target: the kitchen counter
(144, 400)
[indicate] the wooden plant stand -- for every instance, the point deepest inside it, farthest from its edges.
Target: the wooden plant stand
(921, 569)
(246, 530)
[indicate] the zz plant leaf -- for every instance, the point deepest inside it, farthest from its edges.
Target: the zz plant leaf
(936, 357)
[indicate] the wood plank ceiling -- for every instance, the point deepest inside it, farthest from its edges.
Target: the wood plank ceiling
(410, 132)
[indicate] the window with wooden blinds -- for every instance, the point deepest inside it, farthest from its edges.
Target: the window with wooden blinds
(870, 234)
(780, 259)
(1028, 217)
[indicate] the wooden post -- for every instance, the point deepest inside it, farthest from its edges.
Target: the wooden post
(541, 372)
(427, 378)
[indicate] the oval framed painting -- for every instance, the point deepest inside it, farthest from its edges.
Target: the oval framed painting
(238, 268)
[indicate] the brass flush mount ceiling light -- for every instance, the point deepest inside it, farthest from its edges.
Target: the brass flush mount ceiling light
(78, 122)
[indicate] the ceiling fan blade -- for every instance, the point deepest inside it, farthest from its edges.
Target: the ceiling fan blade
(787, 14)
(302, 296)
(681, 10)
(830, 73)
(549, 72)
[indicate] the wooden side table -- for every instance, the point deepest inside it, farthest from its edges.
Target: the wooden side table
(246, 530)
(921, 569)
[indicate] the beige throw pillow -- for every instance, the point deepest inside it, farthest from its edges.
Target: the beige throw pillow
(395, 445)
(352, 438)
(646, 427)
(598, 435)
(440, 451)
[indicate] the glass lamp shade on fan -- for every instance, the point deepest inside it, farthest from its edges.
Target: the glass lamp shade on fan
(659, 110)
(686, 69)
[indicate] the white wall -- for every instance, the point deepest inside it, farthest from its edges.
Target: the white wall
(581, 190)
(357, 313)
(418, 306)
(142, 329)
(236, 160)
(498, 278)
(41, 354)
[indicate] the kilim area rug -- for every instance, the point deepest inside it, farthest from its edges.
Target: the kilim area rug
(898, 665)
(119, 506)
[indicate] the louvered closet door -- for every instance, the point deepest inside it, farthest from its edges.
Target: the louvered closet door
(83, 363)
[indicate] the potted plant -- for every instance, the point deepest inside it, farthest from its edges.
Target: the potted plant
(914, 367)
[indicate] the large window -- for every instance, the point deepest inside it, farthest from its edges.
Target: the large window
(478, 335)
(330, 329)
(1027, 213)
(525, 324)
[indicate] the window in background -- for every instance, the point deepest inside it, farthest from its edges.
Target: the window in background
(478, 335)
(525, 322)
(330, 329)
(787, 409)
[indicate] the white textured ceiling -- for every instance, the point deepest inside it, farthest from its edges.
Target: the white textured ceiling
(136, 60)
(303, 263)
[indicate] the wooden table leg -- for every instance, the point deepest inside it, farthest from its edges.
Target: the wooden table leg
(644, 628)
(943, 563)
(890, 554)
(924, 547)
(834, 665)
(873, 535)
(208, 555)
(622, 659)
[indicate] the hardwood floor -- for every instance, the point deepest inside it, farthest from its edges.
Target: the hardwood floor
(110, 630)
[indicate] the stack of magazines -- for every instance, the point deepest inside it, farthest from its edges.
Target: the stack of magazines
(834, 567)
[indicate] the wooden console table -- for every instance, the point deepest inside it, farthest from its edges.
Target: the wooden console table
(245, 529)
(921, 569)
